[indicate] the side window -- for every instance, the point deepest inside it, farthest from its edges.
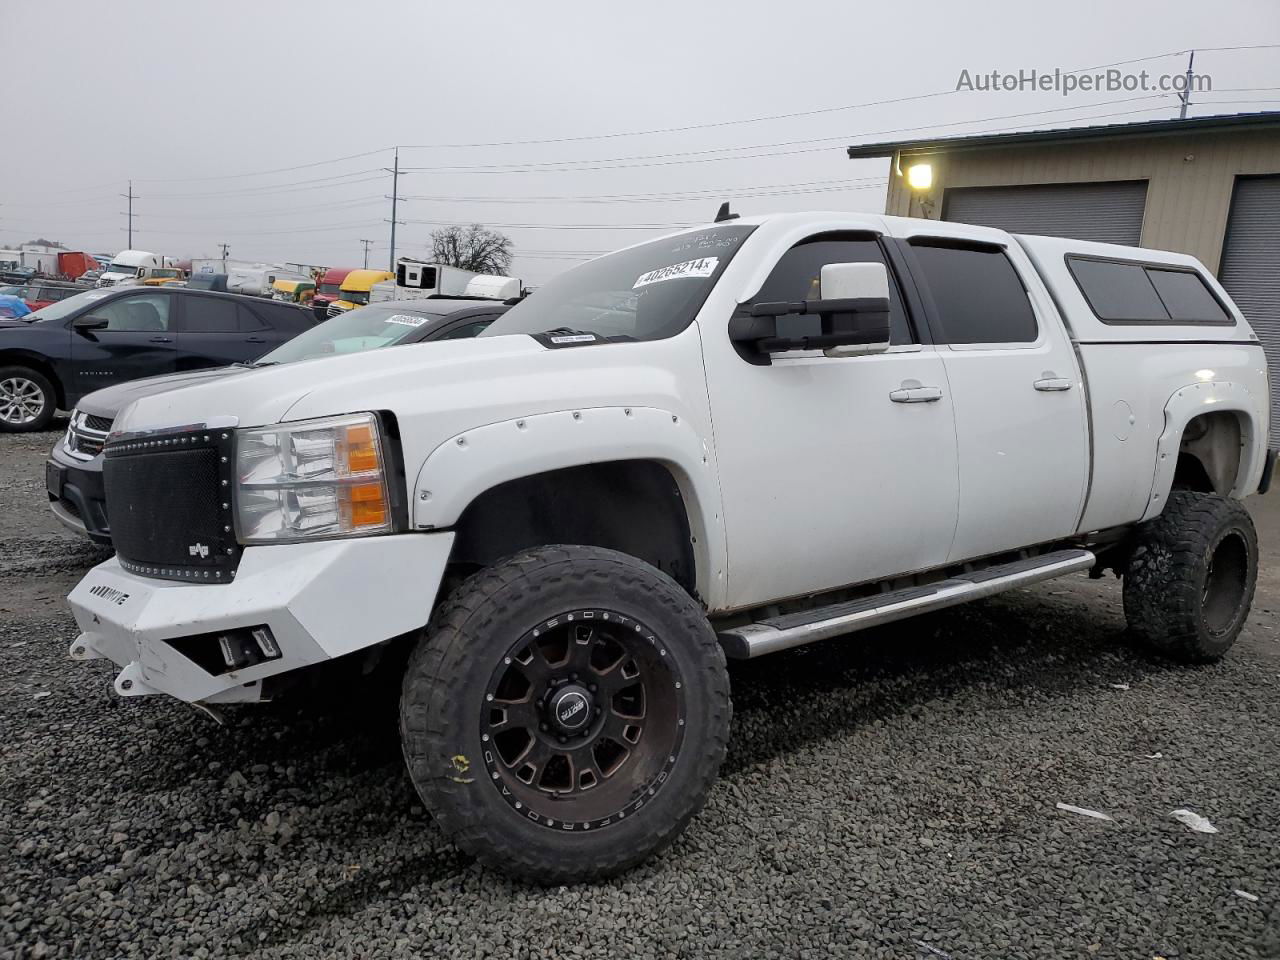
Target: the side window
(977, 293)
(143, 313)
(249, 321)
(467, 330)
(208, 315)
(797, 275)
(1186, 296)
(1120, 292)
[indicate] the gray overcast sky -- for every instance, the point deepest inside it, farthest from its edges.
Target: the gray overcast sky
(184, 101)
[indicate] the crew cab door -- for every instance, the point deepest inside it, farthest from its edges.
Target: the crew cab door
(138, 341)
(218, 331)
(833, 470)
(1017, 390)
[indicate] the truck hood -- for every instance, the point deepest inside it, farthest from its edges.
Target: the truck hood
(440, 390)
(333, 385)
(109, 401)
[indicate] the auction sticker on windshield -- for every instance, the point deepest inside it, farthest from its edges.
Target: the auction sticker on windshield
(407, 320)
(703, 267)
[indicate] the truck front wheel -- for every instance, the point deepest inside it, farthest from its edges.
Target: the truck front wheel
(1190, 579)
(566, 713)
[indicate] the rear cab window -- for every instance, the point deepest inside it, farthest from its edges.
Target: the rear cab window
(1130, 292)
(978, 296)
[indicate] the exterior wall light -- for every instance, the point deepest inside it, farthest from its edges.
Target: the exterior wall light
(920, 176)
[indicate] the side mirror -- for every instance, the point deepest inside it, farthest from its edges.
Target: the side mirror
(853, 309)
(90, 323)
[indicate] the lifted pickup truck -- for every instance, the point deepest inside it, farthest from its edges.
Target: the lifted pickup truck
(729, 441)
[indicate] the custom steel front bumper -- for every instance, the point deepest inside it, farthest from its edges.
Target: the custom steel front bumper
(319, 600)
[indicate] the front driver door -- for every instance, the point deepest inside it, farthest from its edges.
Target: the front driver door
(138, 341)
(833, 471)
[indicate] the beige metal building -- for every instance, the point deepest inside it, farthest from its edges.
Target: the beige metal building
(1208, 186)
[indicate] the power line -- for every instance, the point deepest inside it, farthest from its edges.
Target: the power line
(263, 173)
(575, 165)
(820, 111)
(557, 226)
(701, 193)
(320, 183)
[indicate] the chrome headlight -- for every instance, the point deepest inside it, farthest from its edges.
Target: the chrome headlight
(69, 438)
(313, 479)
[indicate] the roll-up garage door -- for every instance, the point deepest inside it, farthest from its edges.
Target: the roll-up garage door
(1251, 270)
(1106, 212)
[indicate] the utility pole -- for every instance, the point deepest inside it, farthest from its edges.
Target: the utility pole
(395, 196)
(226, 248)
(131, 198)
(366, 252)
(1185, 95)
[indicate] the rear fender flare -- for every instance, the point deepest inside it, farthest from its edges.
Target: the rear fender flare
(1191, 401)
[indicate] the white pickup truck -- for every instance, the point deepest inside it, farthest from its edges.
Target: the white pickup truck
(728, 441)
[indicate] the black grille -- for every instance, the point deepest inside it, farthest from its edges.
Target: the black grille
(170, 501)
(101, 424)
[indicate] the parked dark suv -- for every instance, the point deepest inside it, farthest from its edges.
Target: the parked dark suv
(49, 359)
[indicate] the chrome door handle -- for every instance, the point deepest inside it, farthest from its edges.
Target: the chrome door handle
(1052, 384)
(916, 394)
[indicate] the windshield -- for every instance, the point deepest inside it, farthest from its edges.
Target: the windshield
(644, 293)
(354, 296)
(121, 268)
(64, 308)
(330, 289)
(353, 332)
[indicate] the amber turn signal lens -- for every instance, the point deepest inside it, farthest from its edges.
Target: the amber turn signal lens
(362, 451)
(368, 506)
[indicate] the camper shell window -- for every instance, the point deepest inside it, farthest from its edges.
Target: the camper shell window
(1132, 292)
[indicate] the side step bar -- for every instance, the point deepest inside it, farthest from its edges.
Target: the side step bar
(795, 629)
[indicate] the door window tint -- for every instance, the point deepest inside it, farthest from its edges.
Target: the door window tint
(467, 330)
(797, 277)
(977, 294)
(1122, 292)
(1186, 297)
(144, 313)
(207, 315)
(249, 321)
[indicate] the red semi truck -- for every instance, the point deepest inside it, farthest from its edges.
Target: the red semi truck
(329, 289)
(74, 263)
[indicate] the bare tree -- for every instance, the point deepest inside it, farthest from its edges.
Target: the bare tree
(474, 248)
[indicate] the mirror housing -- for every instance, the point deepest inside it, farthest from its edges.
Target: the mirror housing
(854, 312)
(90, 323)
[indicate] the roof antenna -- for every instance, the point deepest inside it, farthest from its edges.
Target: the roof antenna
(723, 213)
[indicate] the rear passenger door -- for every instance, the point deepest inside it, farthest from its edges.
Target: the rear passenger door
(218, 331)
(1021, 428)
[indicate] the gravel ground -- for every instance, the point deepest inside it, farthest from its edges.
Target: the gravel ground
(890, 795)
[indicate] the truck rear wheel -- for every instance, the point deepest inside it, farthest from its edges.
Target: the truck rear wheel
(27, 400)
(1190, 580)
(566, 713)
